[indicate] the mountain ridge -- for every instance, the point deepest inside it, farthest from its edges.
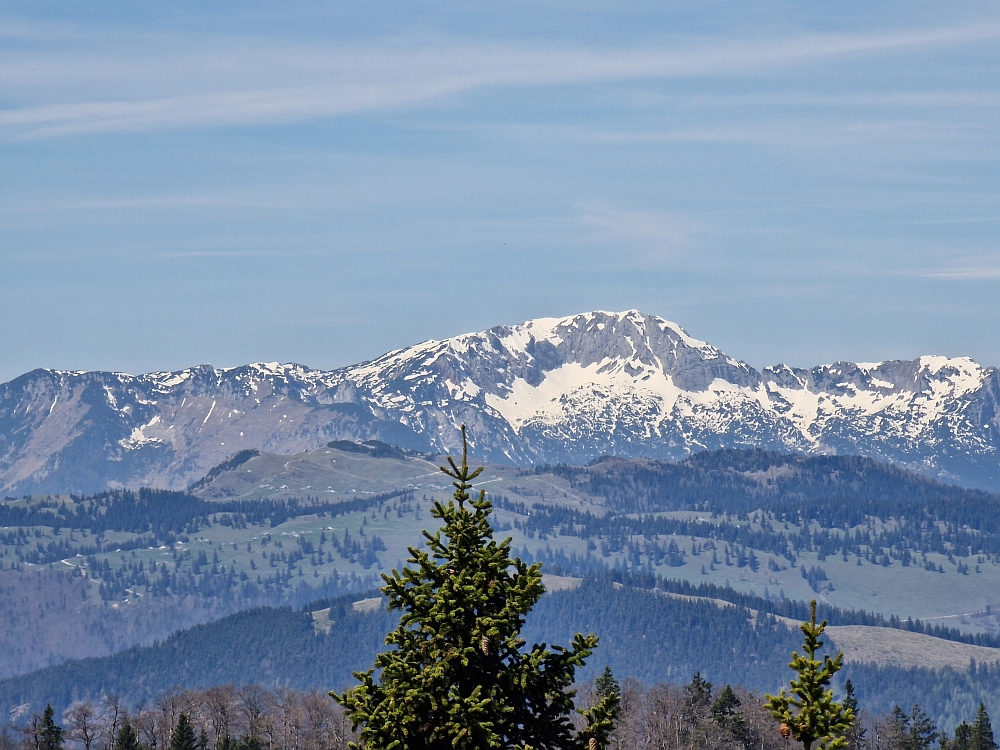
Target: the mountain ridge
(549, 390)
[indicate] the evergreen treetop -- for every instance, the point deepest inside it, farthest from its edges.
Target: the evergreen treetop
(51, 735)
(726, 714)
(126, 738)
(816, 716)
(982, 731)
(456, 676)
(606, 684)
(962, 739)
(183, 737)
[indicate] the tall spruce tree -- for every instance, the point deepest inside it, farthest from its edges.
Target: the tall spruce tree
(921, 732)
(817, 717)
(51, 735)
(982, 731)
(856, 734)
(457, 676)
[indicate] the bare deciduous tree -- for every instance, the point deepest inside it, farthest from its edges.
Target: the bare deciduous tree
(84, 723)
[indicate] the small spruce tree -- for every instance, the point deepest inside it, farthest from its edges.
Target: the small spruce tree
(856, 734)
(816, 717)
(457, 676)
(126, 738)
(183, 735)
(726, 714)
(962, 739)
(697, 699)
(607, 686)
(609, 699)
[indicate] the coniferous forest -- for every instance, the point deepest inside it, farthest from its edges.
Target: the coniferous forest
(632, 567)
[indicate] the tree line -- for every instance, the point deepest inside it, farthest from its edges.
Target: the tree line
(693, 716)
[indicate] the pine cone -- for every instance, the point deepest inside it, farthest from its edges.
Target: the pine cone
(785, 731)
(592, 744)
(484, 645)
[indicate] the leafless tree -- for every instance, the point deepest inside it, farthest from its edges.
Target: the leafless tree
(220, 706)
(84, 723)
(147, 727)
(289, 718)
(169, 707)
(113, 710)
(33, 732)
(253, 702)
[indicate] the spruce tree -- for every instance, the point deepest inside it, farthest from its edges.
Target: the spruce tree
(816, 716)
(697, 699)
(609, 697)
(183, 735)
(921, 732)
(51, 734)
(856, 734)
(126, 738)
(607, 686)
(726, 714)
(982, 732)
(850, 698)
(962, 739)
(457, 676)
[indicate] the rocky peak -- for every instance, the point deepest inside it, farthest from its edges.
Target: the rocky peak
(551, 389)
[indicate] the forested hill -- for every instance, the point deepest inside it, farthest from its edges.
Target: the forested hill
(860, 534)
(644, 634)
(741, 481)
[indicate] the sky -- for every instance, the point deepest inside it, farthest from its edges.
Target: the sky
(190, 182)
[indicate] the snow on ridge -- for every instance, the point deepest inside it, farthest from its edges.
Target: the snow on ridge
(807, 401)
(546, 328)
(138, 437)
(689, 340)
(935, 363)
(573, 384)
(170, 379)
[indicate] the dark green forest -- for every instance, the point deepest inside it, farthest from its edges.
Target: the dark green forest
(644, 635)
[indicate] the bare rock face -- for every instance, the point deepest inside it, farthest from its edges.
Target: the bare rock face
(548, 390)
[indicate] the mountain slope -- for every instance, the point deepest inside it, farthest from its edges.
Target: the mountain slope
(549, 390)
(644, 635)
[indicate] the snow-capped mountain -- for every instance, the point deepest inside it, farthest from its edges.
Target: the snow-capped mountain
(549, 390)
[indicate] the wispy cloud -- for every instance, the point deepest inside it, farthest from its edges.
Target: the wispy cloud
(806, 100)
(252, 81)
(965, 273)
(646, 238)
(958, 264)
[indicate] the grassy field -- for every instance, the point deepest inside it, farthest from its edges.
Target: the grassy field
(889, 647)
(951, 598)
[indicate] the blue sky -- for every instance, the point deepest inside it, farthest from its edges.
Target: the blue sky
(233, 182)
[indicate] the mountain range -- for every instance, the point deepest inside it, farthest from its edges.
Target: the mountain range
(551, 390)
